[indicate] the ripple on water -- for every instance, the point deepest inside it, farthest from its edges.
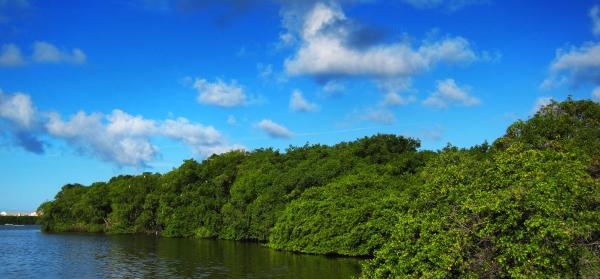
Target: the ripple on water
(28, 253)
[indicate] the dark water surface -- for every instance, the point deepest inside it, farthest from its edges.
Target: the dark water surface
(25, 252)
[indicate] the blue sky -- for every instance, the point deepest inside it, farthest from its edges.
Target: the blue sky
(94, 89)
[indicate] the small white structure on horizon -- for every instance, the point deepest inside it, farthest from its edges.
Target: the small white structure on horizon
(3, 213)
(34, 214)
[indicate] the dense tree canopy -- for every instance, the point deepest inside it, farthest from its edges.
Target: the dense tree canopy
(526, 206)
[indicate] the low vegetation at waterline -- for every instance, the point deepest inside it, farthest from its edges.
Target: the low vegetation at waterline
(526, 206)
(18, 220)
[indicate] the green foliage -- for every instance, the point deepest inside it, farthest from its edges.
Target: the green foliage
(572, 126)
(18, 220)
(526, 206)
(352, 216)
(524, 213)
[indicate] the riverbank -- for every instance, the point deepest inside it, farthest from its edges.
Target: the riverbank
(18, 220)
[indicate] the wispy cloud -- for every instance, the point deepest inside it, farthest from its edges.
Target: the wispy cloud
(274, 130)
(220, 93)
(299, 104)
(449, 5)
(595, 19)
(448, 93)
(43, 52)
(10, 56)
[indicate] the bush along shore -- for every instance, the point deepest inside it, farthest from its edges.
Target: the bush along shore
(527, 205)
(18, 220)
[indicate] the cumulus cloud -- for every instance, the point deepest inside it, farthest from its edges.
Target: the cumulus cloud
(126, 139)
(325, 51)
(576, 65)
(10, 55)
(579, 64)
(18, 109)
(274, 130)
(219, 93)
(44, 52)
(449, 93)
(450, 5)
(299, 104)
(18, 117)
(596, 95)
(118, 137)
(110, 141)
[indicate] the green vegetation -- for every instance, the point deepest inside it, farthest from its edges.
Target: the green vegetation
(18, 220)
(526, 206)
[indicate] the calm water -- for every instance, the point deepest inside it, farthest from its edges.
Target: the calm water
(25, 252)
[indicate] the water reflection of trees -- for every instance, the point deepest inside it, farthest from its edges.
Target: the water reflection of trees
(148, 257)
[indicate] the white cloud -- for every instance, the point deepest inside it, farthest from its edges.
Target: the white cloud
(274, 130)
(122, 123)
(109, 141)
(126, 140)
(299, 104)
(577, 65)
(581, 65)
(449, 93)
(595, 20)
(203, 140)
(392, 87)
(118, 137)
(10, 55)
(450, 5)
(18, 121)
(44, 52)
(540, 103)
(219, 93)
(596, 95)
(395, 99)
(18, 109)
(324, 51)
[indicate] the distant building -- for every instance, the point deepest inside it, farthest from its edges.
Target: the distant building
(16, 213)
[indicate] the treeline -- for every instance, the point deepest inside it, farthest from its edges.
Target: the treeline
(526, 206)
(18, 220)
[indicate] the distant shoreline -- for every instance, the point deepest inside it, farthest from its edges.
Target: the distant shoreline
(18, 220)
